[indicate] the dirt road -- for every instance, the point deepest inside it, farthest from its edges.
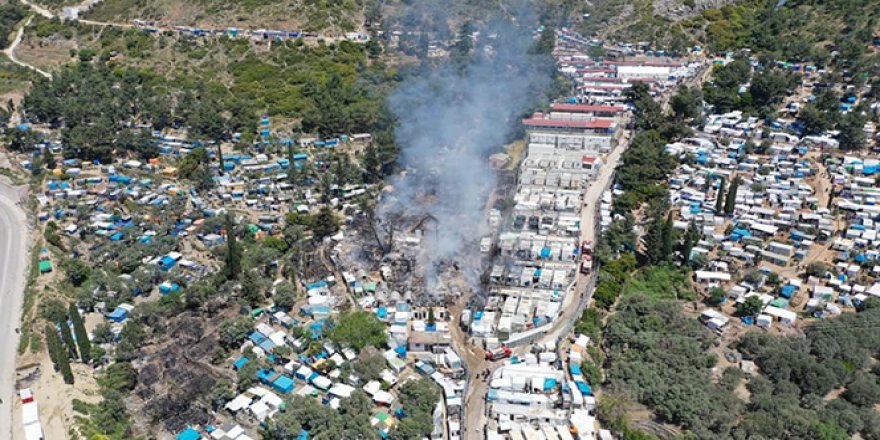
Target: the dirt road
(10, 51)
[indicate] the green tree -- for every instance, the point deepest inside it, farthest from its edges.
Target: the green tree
(461, 50)
(691, 237)
(369, 364)
(358, 330)
(195, 167)
(222, 393)
(686, 104)
(730, 202)
(815, 121)
(76, 270)
(326, 223)
(120, 377)
(207, 123)
(830, 431)
(751, 306)
(769, 87)
(82, 336)
(716, 295)
(852, 131)
(669, 237)
(285, 295)
(58, 354)
(232, 267)
(657, 240)
(247, 375)
(67, 337)
(546, 41)
(233, 331)
(252, 288)
(647, 112)
(863, 390)
(719, 197)
(418, 398)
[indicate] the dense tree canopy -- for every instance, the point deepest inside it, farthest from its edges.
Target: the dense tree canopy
(358, 330)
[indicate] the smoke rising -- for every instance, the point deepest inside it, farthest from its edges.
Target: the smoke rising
(451, 118)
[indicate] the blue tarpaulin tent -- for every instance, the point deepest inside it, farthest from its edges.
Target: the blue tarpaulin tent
(584, 388)
(189, 434)
(240, 362)
(118, 315)
(283, 384)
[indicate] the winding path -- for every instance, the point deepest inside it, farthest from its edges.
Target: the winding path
(10, 51)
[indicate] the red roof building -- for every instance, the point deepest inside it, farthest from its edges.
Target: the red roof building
(597, 126)
(584, 108)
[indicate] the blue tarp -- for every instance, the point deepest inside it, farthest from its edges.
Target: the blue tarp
(549, 384)
(189, 434)
(167, 262)
(316, 285)
(584, 388)
(574, 369)
(166, 288)
(382, 312)
(545, 252)
(240, 362)
(788, 291)
(118, 315)
(283, 384)
(257, 337)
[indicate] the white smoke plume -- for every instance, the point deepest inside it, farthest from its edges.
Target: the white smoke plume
(451, 118)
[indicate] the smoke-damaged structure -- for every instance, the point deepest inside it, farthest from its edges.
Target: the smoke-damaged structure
(450, 120)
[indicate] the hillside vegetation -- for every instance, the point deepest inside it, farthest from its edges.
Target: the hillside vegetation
(307, 15)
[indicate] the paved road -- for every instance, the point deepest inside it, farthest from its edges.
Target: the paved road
(13, 262)
(575, 300)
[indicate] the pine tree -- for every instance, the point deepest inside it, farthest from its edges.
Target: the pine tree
(82, 337)
(719, 197)
(67, 337)
(654, 241)
(291, 176)
(60, 358)
(691, 237)
(730, 203)
(220, 157)
(233, 253)
(668, 236)
(53, 345)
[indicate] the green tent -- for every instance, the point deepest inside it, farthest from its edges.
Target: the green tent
(45, 266)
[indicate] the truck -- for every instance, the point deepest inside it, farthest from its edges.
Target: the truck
(586, 257)
(586, 264)
(587, 247)
(501, 352)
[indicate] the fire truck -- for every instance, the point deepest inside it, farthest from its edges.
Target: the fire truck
(586, 257)
(498, 353)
